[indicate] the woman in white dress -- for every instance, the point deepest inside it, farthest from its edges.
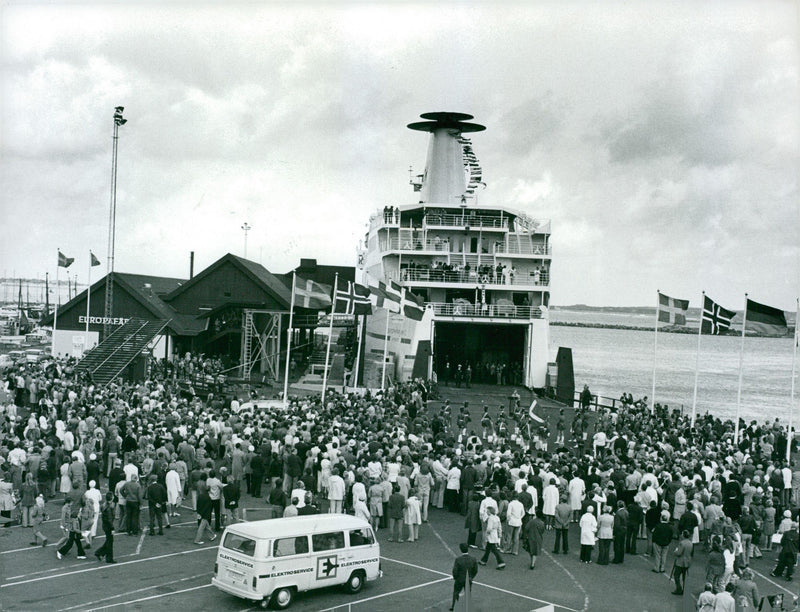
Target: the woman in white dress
(588, 525)
(413, 516)
(174, 490)
(66, 481)
(95, 497)
(549, 503)
(577, 489)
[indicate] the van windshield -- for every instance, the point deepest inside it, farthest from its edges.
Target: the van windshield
(240, 544)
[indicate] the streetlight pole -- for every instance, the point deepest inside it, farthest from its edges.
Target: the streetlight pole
(112, 222)
(246, 227)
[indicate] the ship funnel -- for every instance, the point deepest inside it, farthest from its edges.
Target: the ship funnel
(446, 180)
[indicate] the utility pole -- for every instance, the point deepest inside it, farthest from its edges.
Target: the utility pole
(246, 227)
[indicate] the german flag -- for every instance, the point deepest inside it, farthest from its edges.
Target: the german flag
(765, 320)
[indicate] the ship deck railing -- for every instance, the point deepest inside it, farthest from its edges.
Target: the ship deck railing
(436, 246)
(461, 309)
(466, 220)
(522, 248)
(471, 278)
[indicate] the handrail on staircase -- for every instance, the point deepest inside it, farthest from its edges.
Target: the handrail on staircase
(121, 345)
(85, 361)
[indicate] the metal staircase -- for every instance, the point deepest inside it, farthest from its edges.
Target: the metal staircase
(109, 359)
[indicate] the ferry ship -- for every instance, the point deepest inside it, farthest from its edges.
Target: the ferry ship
(482, 269)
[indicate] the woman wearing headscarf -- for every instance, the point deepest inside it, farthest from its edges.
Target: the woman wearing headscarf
(360, 508)
(174, 491)
(37, 517)
(66, 482)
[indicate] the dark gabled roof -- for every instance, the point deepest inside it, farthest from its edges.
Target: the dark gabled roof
(147, 290)
(258, 273)
(266, 277)
(160, 285)
(151, 300)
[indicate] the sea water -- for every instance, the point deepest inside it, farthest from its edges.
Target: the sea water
(613, 361)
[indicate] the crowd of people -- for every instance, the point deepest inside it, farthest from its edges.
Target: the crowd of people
(626, 481)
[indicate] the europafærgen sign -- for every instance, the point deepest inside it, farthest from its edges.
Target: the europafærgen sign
(104, 320)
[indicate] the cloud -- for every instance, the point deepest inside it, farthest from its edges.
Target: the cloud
(660, 138)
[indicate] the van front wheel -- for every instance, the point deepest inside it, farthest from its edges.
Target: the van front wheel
(355, 582)
(282, 598)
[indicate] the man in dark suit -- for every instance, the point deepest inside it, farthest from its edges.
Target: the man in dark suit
(469, 478)
(620, 532)
(464, 566)
(107, 517)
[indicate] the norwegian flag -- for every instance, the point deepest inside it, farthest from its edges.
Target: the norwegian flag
(353, 299)
(715, 319)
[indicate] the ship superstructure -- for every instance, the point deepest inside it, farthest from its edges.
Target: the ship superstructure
(483, 270)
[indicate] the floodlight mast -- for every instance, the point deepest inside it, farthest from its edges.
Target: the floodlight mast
(112, 224)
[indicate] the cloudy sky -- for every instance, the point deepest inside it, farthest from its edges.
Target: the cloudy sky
(660, 138)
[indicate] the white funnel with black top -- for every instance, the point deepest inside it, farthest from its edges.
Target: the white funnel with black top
(445, 180)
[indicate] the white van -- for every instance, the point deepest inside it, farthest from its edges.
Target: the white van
(270, 406)
(271, 561)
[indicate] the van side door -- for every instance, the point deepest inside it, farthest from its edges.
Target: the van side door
(291, 564)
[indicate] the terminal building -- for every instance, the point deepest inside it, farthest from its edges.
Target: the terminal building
(235, 309)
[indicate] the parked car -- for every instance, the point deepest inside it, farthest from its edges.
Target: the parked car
(34, 355)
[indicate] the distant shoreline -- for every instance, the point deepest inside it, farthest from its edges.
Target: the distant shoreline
(670, 329)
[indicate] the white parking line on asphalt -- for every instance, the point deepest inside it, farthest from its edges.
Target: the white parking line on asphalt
(427, 569)
(774, 583)
(488, 586)
(382, 595)
(139, 545)
(574, 580)
(541, 601)
(441, 539)
(106, 566)
(127, 603)
(128, 593)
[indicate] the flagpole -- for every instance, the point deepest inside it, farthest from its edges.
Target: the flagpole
(330, 335)
(741, 370)
(55, 314)
(789, 437)
(385, 349)
(697, 358)
(655, 351)
(88, 298)
(359, 321)
(289, 342)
